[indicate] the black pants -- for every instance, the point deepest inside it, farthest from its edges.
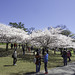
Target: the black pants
(14, 61)
(65, 61)
(45, 66)
(69, 58)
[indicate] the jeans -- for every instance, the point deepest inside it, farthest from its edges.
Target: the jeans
(45, 66)
(65, 61)
(38, 67)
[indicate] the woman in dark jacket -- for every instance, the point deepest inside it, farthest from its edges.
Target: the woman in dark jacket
(38, 62)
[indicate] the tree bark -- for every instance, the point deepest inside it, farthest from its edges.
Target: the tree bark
(54, 51)
(7, 46)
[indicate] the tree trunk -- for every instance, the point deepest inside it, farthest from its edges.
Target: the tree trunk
(61, 51)
(54, 51)
(7, 46)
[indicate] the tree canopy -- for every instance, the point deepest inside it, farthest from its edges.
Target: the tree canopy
(18, 25)
(42, 38)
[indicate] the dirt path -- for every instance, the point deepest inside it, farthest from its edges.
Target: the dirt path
(64, 70)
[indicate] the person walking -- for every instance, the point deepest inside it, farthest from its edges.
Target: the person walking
(23, 48)
(11, 45)
(15, 46)
(38, 62)
(64, 55)
(45, 57)
(14, 56)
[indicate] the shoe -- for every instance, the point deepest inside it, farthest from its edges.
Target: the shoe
(46, 72)
(14, 64)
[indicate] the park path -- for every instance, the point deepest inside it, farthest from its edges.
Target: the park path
(64, 70)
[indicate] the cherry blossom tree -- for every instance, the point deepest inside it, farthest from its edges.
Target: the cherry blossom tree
(50, 38)
(11, 34)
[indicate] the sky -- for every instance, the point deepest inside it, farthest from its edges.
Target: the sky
(39, 13)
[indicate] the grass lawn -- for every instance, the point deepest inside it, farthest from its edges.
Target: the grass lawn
(2, 43)
(25, 63)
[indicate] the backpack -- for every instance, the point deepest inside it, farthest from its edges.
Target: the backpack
(68, 54)
(12, 55)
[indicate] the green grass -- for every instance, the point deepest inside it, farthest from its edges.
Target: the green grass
(6, 67)
(25, 63)
(2, 43)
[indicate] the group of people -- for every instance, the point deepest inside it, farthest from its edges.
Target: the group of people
(38, 60)
(65, 55)
(44, 57)
(15, 45)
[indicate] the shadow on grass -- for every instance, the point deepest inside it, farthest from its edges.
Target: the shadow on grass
(15, 74)
(26, 57)
(33, 73)
(4, 53)
(8, 65)
(59, 66)
(28, 73)
(21, 73)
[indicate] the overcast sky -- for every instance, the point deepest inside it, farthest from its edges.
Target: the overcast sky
(39, 13)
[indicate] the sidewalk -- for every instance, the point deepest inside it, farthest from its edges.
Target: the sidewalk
(65, 70)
